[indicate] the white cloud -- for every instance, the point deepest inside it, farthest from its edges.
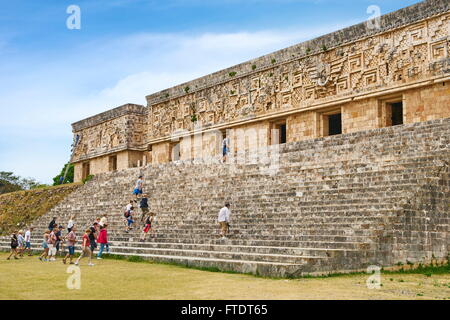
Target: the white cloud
(38, 102)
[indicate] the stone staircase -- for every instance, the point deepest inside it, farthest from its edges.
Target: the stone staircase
(333, 204)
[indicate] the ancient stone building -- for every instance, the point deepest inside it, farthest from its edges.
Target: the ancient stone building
(372, 75)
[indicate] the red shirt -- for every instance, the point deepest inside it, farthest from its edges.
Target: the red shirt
(88, 242)
(102, 237)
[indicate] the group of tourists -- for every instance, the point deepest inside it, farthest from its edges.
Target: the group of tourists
(97, 234)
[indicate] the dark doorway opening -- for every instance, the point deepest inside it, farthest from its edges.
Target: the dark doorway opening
(175, 151)
(334, 124)
(86, 170)
(113, 163)
(397, 113)
(282, 128)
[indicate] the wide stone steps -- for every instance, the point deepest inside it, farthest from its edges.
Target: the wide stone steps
(335, 203)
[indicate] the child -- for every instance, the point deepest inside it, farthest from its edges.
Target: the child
(130, 221)
(71, 240)
(102, 240)
(14, 245)
(148, 226)
(44, 255)
(85, 248)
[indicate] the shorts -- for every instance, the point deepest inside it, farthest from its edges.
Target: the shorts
(13, 247)
(27, 245)
(44, 245)
(130, 222)
(137, 191)
(224, 151)
(71, 250)
(93, 246)
(147, 227)
(144, 210)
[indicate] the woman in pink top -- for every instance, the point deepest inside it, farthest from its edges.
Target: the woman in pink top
(102, 240)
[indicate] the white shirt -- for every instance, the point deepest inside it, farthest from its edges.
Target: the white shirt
(70, 224)
(103, 221)
(139, 184)
(129, 207)
(225, 143)
(28, 236)
(224, 214)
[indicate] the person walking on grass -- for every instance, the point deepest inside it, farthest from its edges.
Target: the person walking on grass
(224, 220)
(139, 185)
(21, 242)
(71, 239)
(44, 255)
(102, 240)
(52, 244)
(93, 235)
(14, 245)
(59, 240)
(85, 249)
(28, 241)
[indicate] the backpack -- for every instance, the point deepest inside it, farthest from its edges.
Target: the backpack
(14, 242)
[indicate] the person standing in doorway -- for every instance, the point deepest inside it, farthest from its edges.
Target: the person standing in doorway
(225, 148)
(224, 220)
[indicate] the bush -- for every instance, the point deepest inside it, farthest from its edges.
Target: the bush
(69, 176)
(88, 178)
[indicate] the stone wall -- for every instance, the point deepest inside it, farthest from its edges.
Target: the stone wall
(112, 131)
(357, 71)
(405, 52)
(339, 203)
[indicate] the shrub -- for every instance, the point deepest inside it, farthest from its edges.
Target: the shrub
(88, 178)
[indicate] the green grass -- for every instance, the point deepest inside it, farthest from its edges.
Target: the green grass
(118, 278)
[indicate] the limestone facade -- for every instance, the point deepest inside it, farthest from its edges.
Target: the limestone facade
(355, 79)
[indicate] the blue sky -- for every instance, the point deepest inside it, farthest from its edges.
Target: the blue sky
(51, 76)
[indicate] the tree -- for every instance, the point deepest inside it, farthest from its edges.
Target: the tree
(69, 176)
(10, 183)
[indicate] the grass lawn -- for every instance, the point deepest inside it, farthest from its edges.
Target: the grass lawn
(28, 278)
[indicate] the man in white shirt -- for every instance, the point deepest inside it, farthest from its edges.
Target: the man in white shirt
(28, 241)
(224, 219)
